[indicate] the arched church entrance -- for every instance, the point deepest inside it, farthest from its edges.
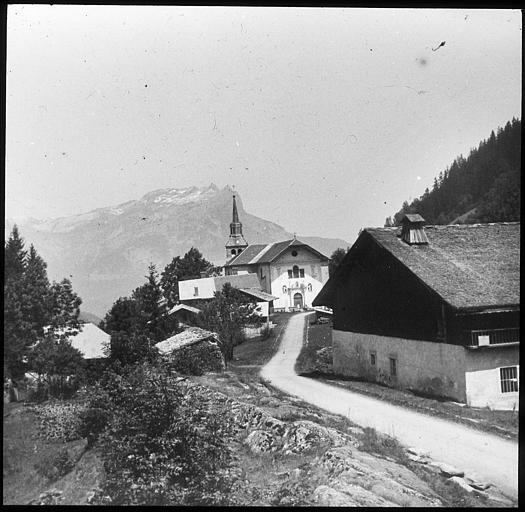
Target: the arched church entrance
(298, 300)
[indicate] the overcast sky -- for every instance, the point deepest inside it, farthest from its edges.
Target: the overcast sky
(325, 120)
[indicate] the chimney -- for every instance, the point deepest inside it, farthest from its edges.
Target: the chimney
(412, 230)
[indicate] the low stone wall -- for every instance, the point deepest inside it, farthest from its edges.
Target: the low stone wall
(433, 368)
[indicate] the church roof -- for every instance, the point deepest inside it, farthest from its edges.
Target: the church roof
(267, 253)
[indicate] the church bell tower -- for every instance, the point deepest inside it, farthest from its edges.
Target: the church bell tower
(236, 242)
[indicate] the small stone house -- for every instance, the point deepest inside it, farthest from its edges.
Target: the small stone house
(434, 309)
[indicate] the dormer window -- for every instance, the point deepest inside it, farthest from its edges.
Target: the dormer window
(412, 230)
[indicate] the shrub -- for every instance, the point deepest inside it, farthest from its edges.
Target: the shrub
(59, 421)
(371, 441)
(197, 359)
(93, 422)
(55, 465)
(266, 332)
(161, 448)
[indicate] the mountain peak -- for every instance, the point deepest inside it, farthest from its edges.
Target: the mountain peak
(178, 196)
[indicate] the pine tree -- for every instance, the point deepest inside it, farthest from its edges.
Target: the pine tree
(14, 256)
(37, 299)
(65, 309)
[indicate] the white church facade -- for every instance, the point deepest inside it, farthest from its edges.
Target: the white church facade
(291, 270)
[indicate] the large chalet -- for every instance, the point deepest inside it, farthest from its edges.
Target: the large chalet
(431, 308)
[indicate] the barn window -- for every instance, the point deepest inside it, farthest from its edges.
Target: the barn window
(393, 366)
(509, 379)
(195, 291)
(295, 271)
(372, 358)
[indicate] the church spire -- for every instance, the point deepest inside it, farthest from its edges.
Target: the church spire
(236, 242)
(235, 213)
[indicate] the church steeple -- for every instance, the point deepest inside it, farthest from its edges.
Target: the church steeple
(236, 242)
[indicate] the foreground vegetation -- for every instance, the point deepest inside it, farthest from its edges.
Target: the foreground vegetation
(148, 435)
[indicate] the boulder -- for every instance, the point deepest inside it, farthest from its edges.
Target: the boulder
(461, 483)
(261, 441)
(447, 469)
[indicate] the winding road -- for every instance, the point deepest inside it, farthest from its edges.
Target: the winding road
(481, 455)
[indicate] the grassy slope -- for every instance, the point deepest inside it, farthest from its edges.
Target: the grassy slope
(503, 423)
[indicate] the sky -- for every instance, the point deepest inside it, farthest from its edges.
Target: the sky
(324, 119)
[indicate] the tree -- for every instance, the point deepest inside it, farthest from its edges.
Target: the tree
(153, 307)
(124, 316)
(32, 306)
(227, 314)
(191, 266)
(58, 364)
(389, 223)
(14, 256)
(37, 303)
(337, 257)
(131, 348)
(65, 308)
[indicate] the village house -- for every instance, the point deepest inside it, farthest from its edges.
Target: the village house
(434, 309)
(192, 290)
(292, 271)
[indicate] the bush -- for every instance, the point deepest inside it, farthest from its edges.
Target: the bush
(197, 359)
(93, 421)
(59, 421)
(160, 448)
(55, 466)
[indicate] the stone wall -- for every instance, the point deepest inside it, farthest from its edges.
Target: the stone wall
(428, 367)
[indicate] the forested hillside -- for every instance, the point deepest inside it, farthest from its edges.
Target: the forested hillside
(484, 187)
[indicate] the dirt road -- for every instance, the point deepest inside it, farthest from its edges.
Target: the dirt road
(479, 454)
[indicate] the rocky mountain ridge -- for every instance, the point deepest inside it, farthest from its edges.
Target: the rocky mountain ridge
(106, 252)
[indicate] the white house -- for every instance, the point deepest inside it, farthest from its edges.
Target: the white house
(205, 288)
(91, 341)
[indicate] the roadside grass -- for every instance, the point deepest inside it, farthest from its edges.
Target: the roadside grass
(502, 423)
(249, 357)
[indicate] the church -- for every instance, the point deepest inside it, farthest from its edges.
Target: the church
(291, 270)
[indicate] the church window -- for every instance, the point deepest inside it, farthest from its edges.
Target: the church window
(294, 253)
(233, 252)
(296, 271)
(309, 287)
(301, 272)
(290, 274)
(285, 289)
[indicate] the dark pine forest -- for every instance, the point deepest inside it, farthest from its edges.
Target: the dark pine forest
(484, 187)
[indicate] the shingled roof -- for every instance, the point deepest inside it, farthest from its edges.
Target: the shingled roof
(266, 253)
(467, 265)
